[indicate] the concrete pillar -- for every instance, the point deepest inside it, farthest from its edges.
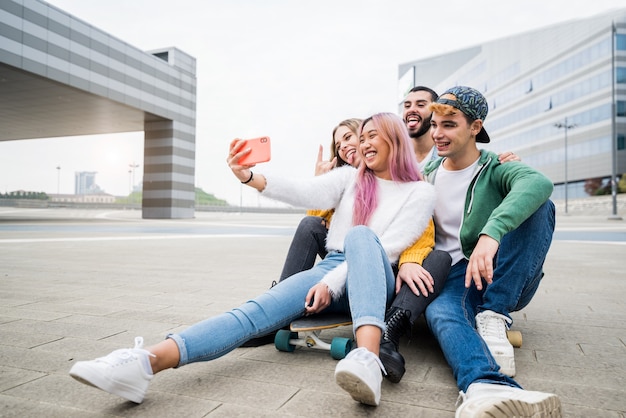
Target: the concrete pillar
(169, 170)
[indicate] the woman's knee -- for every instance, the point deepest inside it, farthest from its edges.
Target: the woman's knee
(360, 230)
(359, 233)
(310, 223)
(438, 264)
(439, 257)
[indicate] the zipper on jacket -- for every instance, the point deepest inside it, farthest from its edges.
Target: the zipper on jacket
(476, 178)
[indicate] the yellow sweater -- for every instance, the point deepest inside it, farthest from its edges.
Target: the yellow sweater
(420, 249)
(322, 213)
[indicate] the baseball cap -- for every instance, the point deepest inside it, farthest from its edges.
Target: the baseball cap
(469, 101)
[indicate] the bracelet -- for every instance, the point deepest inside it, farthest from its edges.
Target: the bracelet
(250, 179)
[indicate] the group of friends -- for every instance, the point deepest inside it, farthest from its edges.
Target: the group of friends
(416, 220)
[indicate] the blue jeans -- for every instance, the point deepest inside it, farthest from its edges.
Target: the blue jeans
(517, 273)
(369, 289)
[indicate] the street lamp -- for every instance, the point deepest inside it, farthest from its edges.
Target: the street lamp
(614, 214)
(565, 126)
(133, 166)
(130, 182)
(58, 177)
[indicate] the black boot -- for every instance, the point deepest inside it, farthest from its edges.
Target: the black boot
(398, 323)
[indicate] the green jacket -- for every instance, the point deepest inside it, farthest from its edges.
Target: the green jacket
(500, 197)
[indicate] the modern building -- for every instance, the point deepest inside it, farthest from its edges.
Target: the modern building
(60, 76)
(557, 97)
(85, 183)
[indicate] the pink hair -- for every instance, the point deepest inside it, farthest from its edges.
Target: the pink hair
(402, 164)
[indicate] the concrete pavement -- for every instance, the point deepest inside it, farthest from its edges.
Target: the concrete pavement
(76, 284)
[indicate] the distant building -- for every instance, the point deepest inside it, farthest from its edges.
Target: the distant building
(82, 198)
(85, 183)
(557, 97)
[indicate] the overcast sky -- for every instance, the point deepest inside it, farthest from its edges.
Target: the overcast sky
(287, 69)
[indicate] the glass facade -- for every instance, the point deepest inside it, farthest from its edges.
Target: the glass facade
(570, 74)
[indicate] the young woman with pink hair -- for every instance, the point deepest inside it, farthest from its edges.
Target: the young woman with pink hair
(381, 208)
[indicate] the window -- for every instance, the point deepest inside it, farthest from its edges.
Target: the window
(620, 42)
(621, 108)
(620, 75)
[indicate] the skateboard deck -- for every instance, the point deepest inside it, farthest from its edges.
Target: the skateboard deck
(305, 332)
(320, 322)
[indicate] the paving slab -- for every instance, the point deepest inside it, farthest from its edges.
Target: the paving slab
(76, 284)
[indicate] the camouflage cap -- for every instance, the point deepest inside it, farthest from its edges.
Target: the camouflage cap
(471, 102)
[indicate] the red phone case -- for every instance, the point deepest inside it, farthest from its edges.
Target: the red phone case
(260, 151)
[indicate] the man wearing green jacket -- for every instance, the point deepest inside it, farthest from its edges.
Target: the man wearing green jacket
(496, 221)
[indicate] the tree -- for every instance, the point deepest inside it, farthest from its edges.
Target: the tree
(621, 184)
(593, 185)
(206, 199)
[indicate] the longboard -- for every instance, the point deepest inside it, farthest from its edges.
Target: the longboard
(514, 337)
(305, 332)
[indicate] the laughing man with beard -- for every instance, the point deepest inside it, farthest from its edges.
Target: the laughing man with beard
(417, 117)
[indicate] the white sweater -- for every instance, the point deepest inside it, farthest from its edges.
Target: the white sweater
(402, 215)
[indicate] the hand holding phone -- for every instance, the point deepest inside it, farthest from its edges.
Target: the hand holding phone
(260, 151)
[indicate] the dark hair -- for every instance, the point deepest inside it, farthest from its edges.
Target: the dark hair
(432, 92)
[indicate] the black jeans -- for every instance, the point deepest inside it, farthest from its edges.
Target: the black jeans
(438, 265)
(308, 242)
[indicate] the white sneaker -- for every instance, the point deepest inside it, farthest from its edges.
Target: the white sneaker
(126, 372)
(492, 327)
(501, 401)
(360, 374)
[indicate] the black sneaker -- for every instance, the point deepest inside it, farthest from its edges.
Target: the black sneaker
(259, 341)
(393, 362)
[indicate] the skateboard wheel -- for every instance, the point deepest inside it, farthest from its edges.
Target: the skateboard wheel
(340, 347)
(281, 340)
(515, 338)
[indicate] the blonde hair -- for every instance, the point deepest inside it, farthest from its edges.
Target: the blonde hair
(443, 109)
(447, 110)
(353, 124)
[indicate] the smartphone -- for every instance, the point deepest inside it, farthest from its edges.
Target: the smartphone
(260, 151)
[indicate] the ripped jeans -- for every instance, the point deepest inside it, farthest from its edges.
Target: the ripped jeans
(370, 288)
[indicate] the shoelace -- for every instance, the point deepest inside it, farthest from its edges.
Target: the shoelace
(493, 324)
(363, 355)
(396, 327)
(124, 354)
(462, 397)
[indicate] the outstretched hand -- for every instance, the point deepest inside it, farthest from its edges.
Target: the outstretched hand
(237, 150)
(480, 265)
(321, 166)
(416, 277)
